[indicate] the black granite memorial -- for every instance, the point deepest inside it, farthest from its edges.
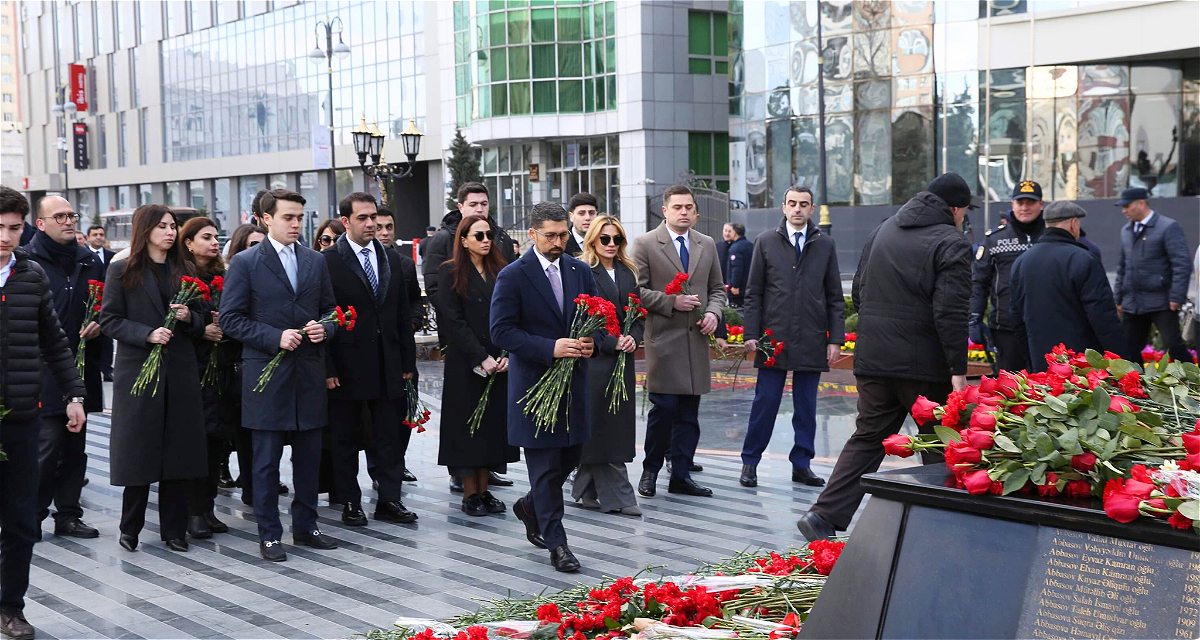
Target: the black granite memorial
(928, 560)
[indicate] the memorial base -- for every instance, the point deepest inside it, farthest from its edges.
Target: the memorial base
(930, 561)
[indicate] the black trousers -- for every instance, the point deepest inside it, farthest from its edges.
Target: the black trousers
(244, 442)
(349, 420)
(205, 494)
(306, 456)
(548, 470)
(62, 464)
(883, 404)
(673, 426)
(1137, 329)
(173, 497)
(18, 509)
(1012, 350)
(106, 355)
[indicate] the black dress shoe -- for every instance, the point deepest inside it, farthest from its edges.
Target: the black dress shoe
(648, 485)
(807, 477)
(178, 544)
(563, 560)
(75, 528)
(695, 468)
(456, 485)
(216, 525)
(314, 539)
(225, 480)
(353, 516)
(749, 476)
(395, 512)
(198, 528)
(532, 533)
(408, 476)
(815, 527)
(497, 480)
(85, 482)
(108, 377)
(15, 626)
(491, 503)
(687, 486)
(283, 489)
(472, 505)
(128, 542)
(272, 550)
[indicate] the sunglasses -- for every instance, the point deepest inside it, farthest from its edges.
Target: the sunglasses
(616, 240)
(325, 240)
(254, 242)
(480, 235)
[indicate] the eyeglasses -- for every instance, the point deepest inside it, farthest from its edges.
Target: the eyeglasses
(62, 218)
(554, 237)
(480, 235)
(253, 242)
(616, 240)
(325, 240)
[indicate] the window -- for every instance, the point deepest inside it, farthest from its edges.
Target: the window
(3, 39)
(708, 158)
(102, 142)
(104, 27)
(8, 97)
(115, 103)
(121, 139)
(708, 43)
(8, 117)
(4, 19)
(5, 59)
(144, 134)
(6, 78)
(133, 77)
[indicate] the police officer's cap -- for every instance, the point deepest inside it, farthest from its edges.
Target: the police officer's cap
(1027, 189)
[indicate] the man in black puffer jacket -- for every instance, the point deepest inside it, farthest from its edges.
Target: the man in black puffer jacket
(911, 291)
(29, 335)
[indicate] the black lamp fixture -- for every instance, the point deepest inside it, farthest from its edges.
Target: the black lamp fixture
(368, 140)
(362, 142)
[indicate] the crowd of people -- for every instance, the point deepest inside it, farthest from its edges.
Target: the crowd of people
(271, 356)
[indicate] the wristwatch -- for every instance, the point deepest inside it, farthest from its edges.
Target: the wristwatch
(78, 399)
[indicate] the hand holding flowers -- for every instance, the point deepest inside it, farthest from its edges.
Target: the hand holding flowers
(190, 290)
(291, 338)
(616, 384)
(95, 298)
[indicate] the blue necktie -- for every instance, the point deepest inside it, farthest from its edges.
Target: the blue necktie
(683, 253)
(370, 269)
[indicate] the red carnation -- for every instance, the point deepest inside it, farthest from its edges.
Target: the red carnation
(1180, 521)
(218, 283)
(96, 308)
(1131, 385)
(768, 333)
(769, 362)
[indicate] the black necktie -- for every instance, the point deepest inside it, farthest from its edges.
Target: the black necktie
(799, 244)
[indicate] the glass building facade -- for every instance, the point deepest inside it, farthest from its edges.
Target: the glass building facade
(248, 87)
(522, 57)
(906, 97)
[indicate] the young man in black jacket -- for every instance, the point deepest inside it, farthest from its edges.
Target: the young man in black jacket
(29, 336)
(69, 267)
(911, 290)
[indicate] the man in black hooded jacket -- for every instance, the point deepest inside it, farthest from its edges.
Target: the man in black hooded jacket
(911, 291)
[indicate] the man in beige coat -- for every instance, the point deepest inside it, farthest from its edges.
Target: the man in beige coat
(678, 327)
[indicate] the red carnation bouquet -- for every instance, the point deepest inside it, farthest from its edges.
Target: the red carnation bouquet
(95, 297)
(616, 385)
(767, 345)
(344, 319)
(418, 413)
(678, 285)
(190, 290)
(210, 372)
(543, 399)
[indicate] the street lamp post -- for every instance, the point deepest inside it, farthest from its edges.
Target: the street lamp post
(342, 51)
(64, 109)
(369, 141)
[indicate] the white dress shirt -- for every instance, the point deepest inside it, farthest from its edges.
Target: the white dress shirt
(99, 253)
(6, 270)
(1138, 226)
(358, 249)
(675, 242)
(578, 238)
(546, 264)
(287, 256)
(792, 231)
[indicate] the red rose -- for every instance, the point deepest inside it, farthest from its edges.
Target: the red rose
(922, 410)
(1083, 462)
(1193, 461)
(1117, 404)
(1061, 369)
(983, 420)
(981, 440)
(987, 385)
(1122, 507)
(1108, 355)
(1079, 489)
(1180, 521)
(1191, 442)
(1138, 489)
(971, 395)
(1157, 503)
(962, 453)
(898, 445)
(1050, 489)
(977, 482)
(1008, 386)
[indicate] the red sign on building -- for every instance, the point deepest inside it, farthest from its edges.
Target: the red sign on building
(79, 86)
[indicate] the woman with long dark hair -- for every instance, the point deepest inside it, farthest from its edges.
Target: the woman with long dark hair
(244, 237)
(471, 360)
(157, 436)
(602, 481)
(327, 234)
(203, 251)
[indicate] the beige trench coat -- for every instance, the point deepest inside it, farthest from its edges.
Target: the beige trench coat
(677, 355)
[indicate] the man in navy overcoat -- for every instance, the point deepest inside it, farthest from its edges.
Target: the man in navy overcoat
(274, 293)
(532, 309)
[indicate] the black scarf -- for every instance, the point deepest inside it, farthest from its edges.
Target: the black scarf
(63, 255)
(1034, 228)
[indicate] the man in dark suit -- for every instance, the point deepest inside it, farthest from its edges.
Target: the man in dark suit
(738, 256)
(367, 367)
(62, 462)
(96, 240)
(531, 314)
(583, 209)
(269, 290)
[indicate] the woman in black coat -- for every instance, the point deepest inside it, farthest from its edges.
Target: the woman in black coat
(602, 481)
(464, 299)
(202, 250)
(156, 437)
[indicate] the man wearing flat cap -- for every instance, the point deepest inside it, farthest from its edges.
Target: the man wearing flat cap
(1152, 275)
(1059, 291)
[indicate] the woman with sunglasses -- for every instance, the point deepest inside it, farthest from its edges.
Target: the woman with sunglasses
(602, 481)
(244, 237)
(328, 233)
(471, 360)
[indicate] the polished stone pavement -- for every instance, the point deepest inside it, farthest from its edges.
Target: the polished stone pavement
(440, 566)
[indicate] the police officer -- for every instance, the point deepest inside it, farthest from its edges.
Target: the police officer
(990, 275)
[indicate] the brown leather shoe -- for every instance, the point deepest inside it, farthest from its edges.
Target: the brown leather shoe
(15, 626)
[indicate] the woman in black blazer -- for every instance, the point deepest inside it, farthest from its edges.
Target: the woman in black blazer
(602, 481)
(160, 437)
(464, 300)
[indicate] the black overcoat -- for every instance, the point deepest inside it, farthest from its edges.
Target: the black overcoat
(463, 322)
(613, 434)
(154, 437)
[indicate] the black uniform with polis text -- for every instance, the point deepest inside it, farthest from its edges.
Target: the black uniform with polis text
(990, 275)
